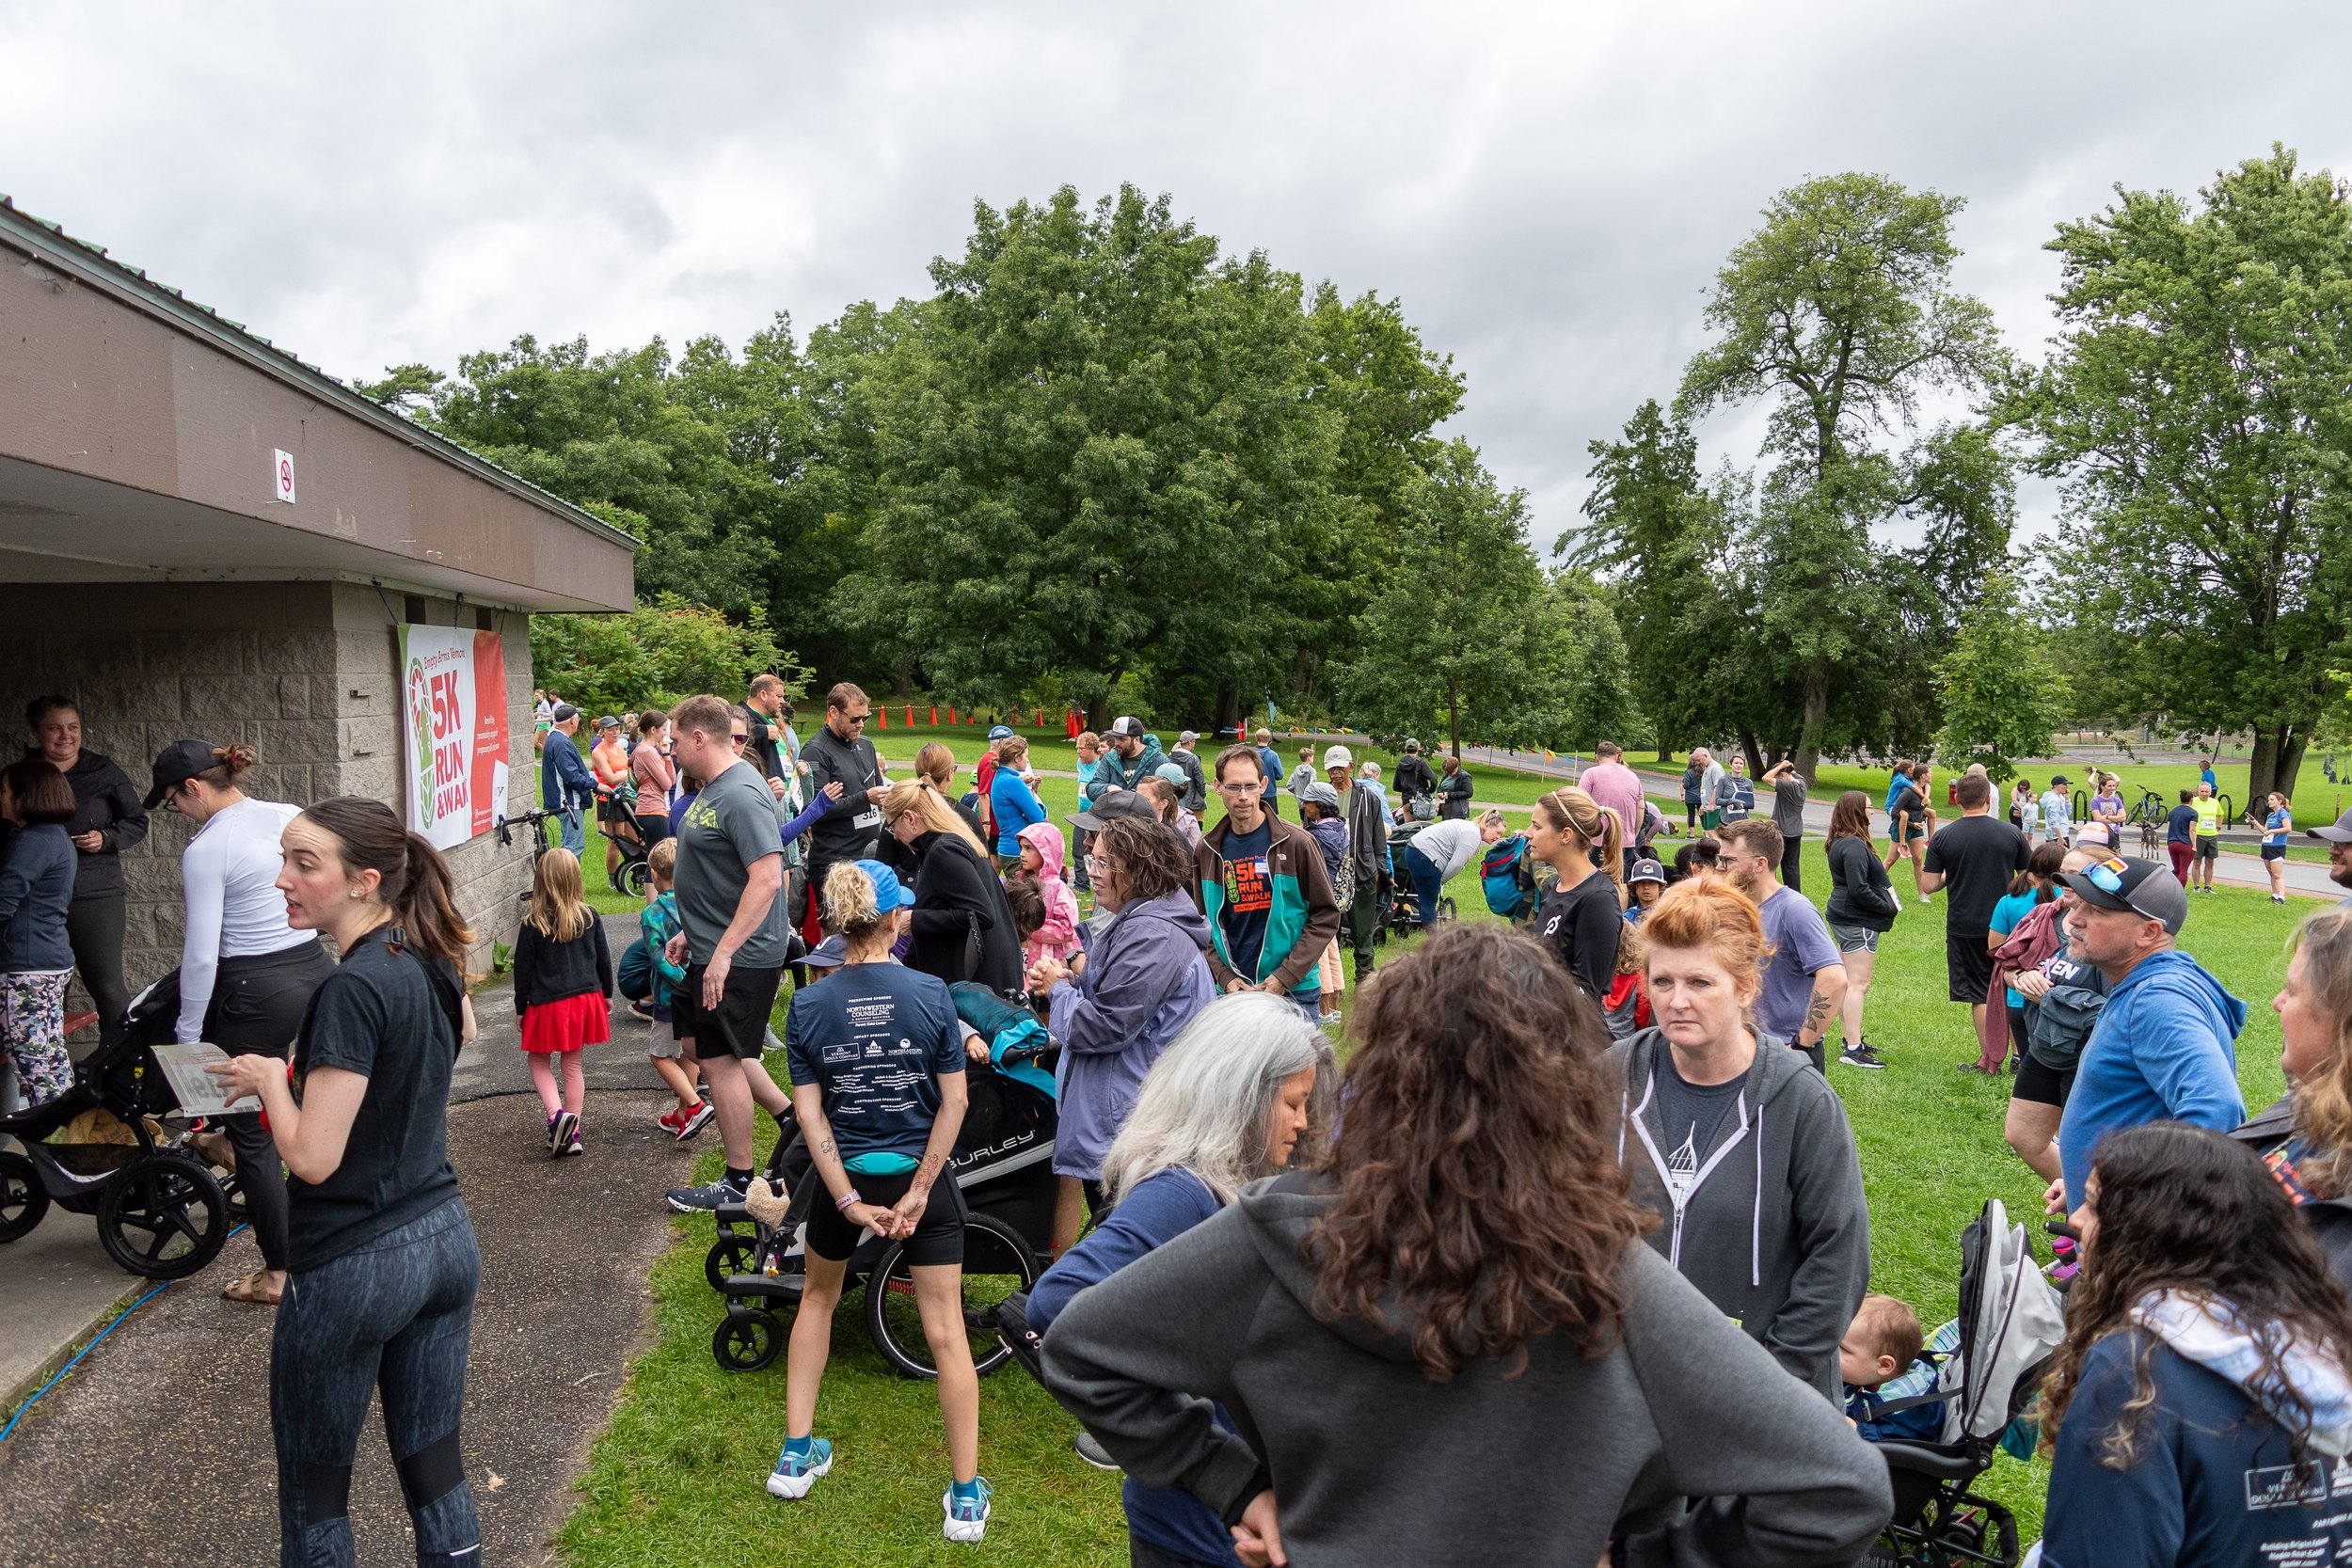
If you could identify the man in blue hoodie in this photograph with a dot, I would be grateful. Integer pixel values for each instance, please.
(2164, 1048)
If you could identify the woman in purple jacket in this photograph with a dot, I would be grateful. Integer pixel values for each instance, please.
(1144, 979)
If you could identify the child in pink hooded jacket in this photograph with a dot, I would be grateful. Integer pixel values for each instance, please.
(1042, 854)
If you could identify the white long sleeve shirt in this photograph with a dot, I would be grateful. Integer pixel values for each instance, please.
(228, 875)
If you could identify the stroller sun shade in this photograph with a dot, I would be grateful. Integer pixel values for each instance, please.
(2011, 1321)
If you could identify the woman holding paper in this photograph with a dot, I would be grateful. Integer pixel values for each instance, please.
(245, 974)
(384, 1260)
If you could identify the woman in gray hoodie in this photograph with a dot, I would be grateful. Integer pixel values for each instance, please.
(1453, 1349)
(1144, 979)
(1736, 1144)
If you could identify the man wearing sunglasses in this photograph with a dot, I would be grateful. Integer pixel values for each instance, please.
(2164, 1046)
(2339, 841)
(853, 830)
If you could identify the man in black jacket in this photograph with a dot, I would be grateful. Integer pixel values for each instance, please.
(853, 828)
(1414, 776)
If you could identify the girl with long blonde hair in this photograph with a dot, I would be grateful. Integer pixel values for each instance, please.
(562, 993)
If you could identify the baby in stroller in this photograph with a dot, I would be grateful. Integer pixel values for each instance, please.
(1884, 1372)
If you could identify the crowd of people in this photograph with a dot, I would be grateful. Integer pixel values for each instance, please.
(1583, 1207)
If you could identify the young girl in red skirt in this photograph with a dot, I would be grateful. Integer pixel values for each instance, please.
(562, 991)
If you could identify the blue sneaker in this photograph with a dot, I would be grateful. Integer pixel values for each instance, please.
(795, 1473)
(967, 1513)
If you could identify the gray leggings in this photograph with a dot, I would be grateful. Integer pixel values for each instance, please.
(393, 1318)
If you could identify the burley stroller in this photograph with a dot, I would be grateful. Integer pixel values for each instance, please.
(1002, 1165)
(162, 1212)
(2010, 1320)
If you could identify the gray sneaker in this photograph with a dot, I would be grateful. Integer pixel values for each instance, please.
(690, 1200)
(1094, 1453)
(1861, 1056)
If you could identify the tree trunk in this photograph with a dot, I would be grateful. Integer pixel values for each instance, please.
(2291, 761)
(1816, 711)
(1228, 711)
(1453, 721)
(1099, 713)
(2261, 769)
(904, 675)
(1753, 750)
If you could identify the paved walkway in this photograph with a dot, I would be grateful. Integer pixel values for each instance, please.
(157, 1449)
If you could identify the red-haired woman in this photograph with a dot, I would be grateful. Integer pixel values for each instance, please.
(1742, 1152)
(1452, 1348)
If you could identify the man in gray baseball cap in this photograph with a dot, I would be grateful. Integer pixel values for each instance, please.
(2339, 840)
(2164, 1046)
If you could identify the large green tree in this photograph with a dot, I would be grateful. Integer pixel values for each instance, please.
(2003, 694)
(1097, 457)
(1840, 317)
(1656, 533)
(2198, 413)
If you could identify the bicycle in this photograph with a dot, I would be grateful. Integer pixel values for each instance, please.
(530, 819)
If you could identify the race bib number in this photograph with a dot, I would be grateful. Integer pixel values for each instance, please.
(870, 818)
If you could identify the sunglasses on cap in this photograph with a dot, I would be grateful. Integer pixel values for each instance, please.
(2107, 877)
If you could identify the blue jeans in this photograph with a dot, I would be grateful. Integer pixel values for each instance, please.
(394, 1318)
(1428, 885)
(569, 833)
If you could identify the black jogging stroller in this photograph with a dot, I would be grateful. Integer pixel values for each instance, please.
(2011, 1321)
(1400, 912)
(163, 1211)
(1004, 1167)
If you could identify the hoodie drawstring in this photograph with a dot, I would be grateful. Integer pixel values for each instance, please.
(1755, 1228)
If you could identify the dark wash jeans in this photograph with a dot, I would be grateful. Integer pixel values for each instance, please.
(394, 1318)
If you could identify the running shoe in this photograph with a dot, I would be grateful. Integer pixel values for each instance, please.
(1094, 1453)
(695, 1121)
(1860, 1054)
(552, 1121)
(571, 1147)
(562, 1132)
(795, 1473)
(692, 1200)
(967, 1515)
(672, 1120)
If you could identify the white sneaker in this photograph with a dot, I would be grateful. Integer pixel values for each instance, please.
(968, 1520)
(1923, 898)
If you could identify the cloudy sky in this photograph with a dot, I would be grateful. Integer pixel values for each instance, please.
(1547, 189)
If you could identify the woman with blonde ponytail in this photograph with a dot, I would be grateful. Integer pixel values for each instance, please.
(1583, 917)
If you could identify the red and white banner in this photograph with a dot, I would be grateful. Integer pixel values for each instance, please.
(453, 739)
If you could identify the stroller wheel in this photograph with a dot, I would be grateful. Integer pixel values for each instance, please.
(22, 1200)
(727, 1255)
(163, 1216)
(747, 1339)
(996, 1263)
(633, 876)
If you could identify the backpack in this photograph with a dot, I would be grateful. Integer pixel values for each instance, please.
(1508, 878)
(635, 977)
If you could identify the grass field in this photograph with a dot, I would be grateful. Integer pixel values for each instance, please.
(677, 1478)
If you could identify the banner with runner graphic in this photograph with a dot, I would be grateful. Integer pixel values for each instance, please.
(453, 732)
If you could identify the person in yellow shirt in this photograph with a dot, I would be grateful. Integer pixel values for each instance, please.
(2208, 837)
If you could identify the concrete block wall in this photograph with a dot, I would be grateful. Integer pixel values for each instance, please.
(305, 672)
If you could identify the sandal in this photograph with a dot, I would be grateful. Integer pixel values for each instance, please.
(253, 1290)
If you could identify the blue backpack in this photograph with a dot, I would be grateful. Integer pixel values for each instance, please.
(1508, 878)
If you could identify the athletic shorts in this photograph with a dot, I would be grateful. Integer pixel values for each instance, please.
(2273, 851)
(1968, 963)
(938, 1239)
(2043, 1086)
(738, 1025)
(1854, 938)
(2207, 848)
(661, 1041)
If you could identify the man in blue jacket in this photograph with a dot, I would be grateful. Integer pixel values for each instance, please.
(2164, 1048)
(564, 784)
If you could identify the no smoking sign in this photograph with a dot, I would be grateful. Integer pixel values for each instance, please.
(282, 475)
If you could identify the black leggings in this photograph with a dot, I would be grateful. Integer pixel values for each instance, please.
(393, 1318)
(1690, 816)
(1791, 862)
(257, 1006)
(94, 927)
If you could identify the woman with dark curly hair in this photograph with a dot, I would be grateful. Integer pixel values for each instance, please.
(2200, 1409)
(1452, 1346)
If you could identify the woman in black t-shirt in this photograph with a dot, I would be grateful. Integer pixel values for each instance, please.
(1583, 917)
(383, 1265)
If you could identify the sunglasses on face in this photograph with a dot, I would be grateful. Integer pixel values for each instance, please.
(856, 717)
(740, 738)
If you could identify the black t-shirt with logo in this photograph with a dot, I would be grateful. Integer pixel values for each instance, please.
(378, 1016)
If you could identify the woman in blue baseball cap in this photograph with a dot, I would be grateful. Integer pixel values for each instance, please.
(877, 1089)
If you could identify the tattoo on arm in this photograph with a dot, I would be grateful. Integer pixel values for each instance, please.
(825, 1145)
(1817, 1015)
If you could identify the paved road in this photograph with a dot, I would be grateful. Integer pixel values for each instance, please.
(158, 1449)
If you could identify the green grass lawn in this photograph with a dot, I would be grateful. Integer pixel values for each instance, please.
(2317, 802)
(677, 1478)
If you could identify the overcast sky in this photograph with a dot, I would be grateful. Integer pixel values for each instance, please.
(1547, 189)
